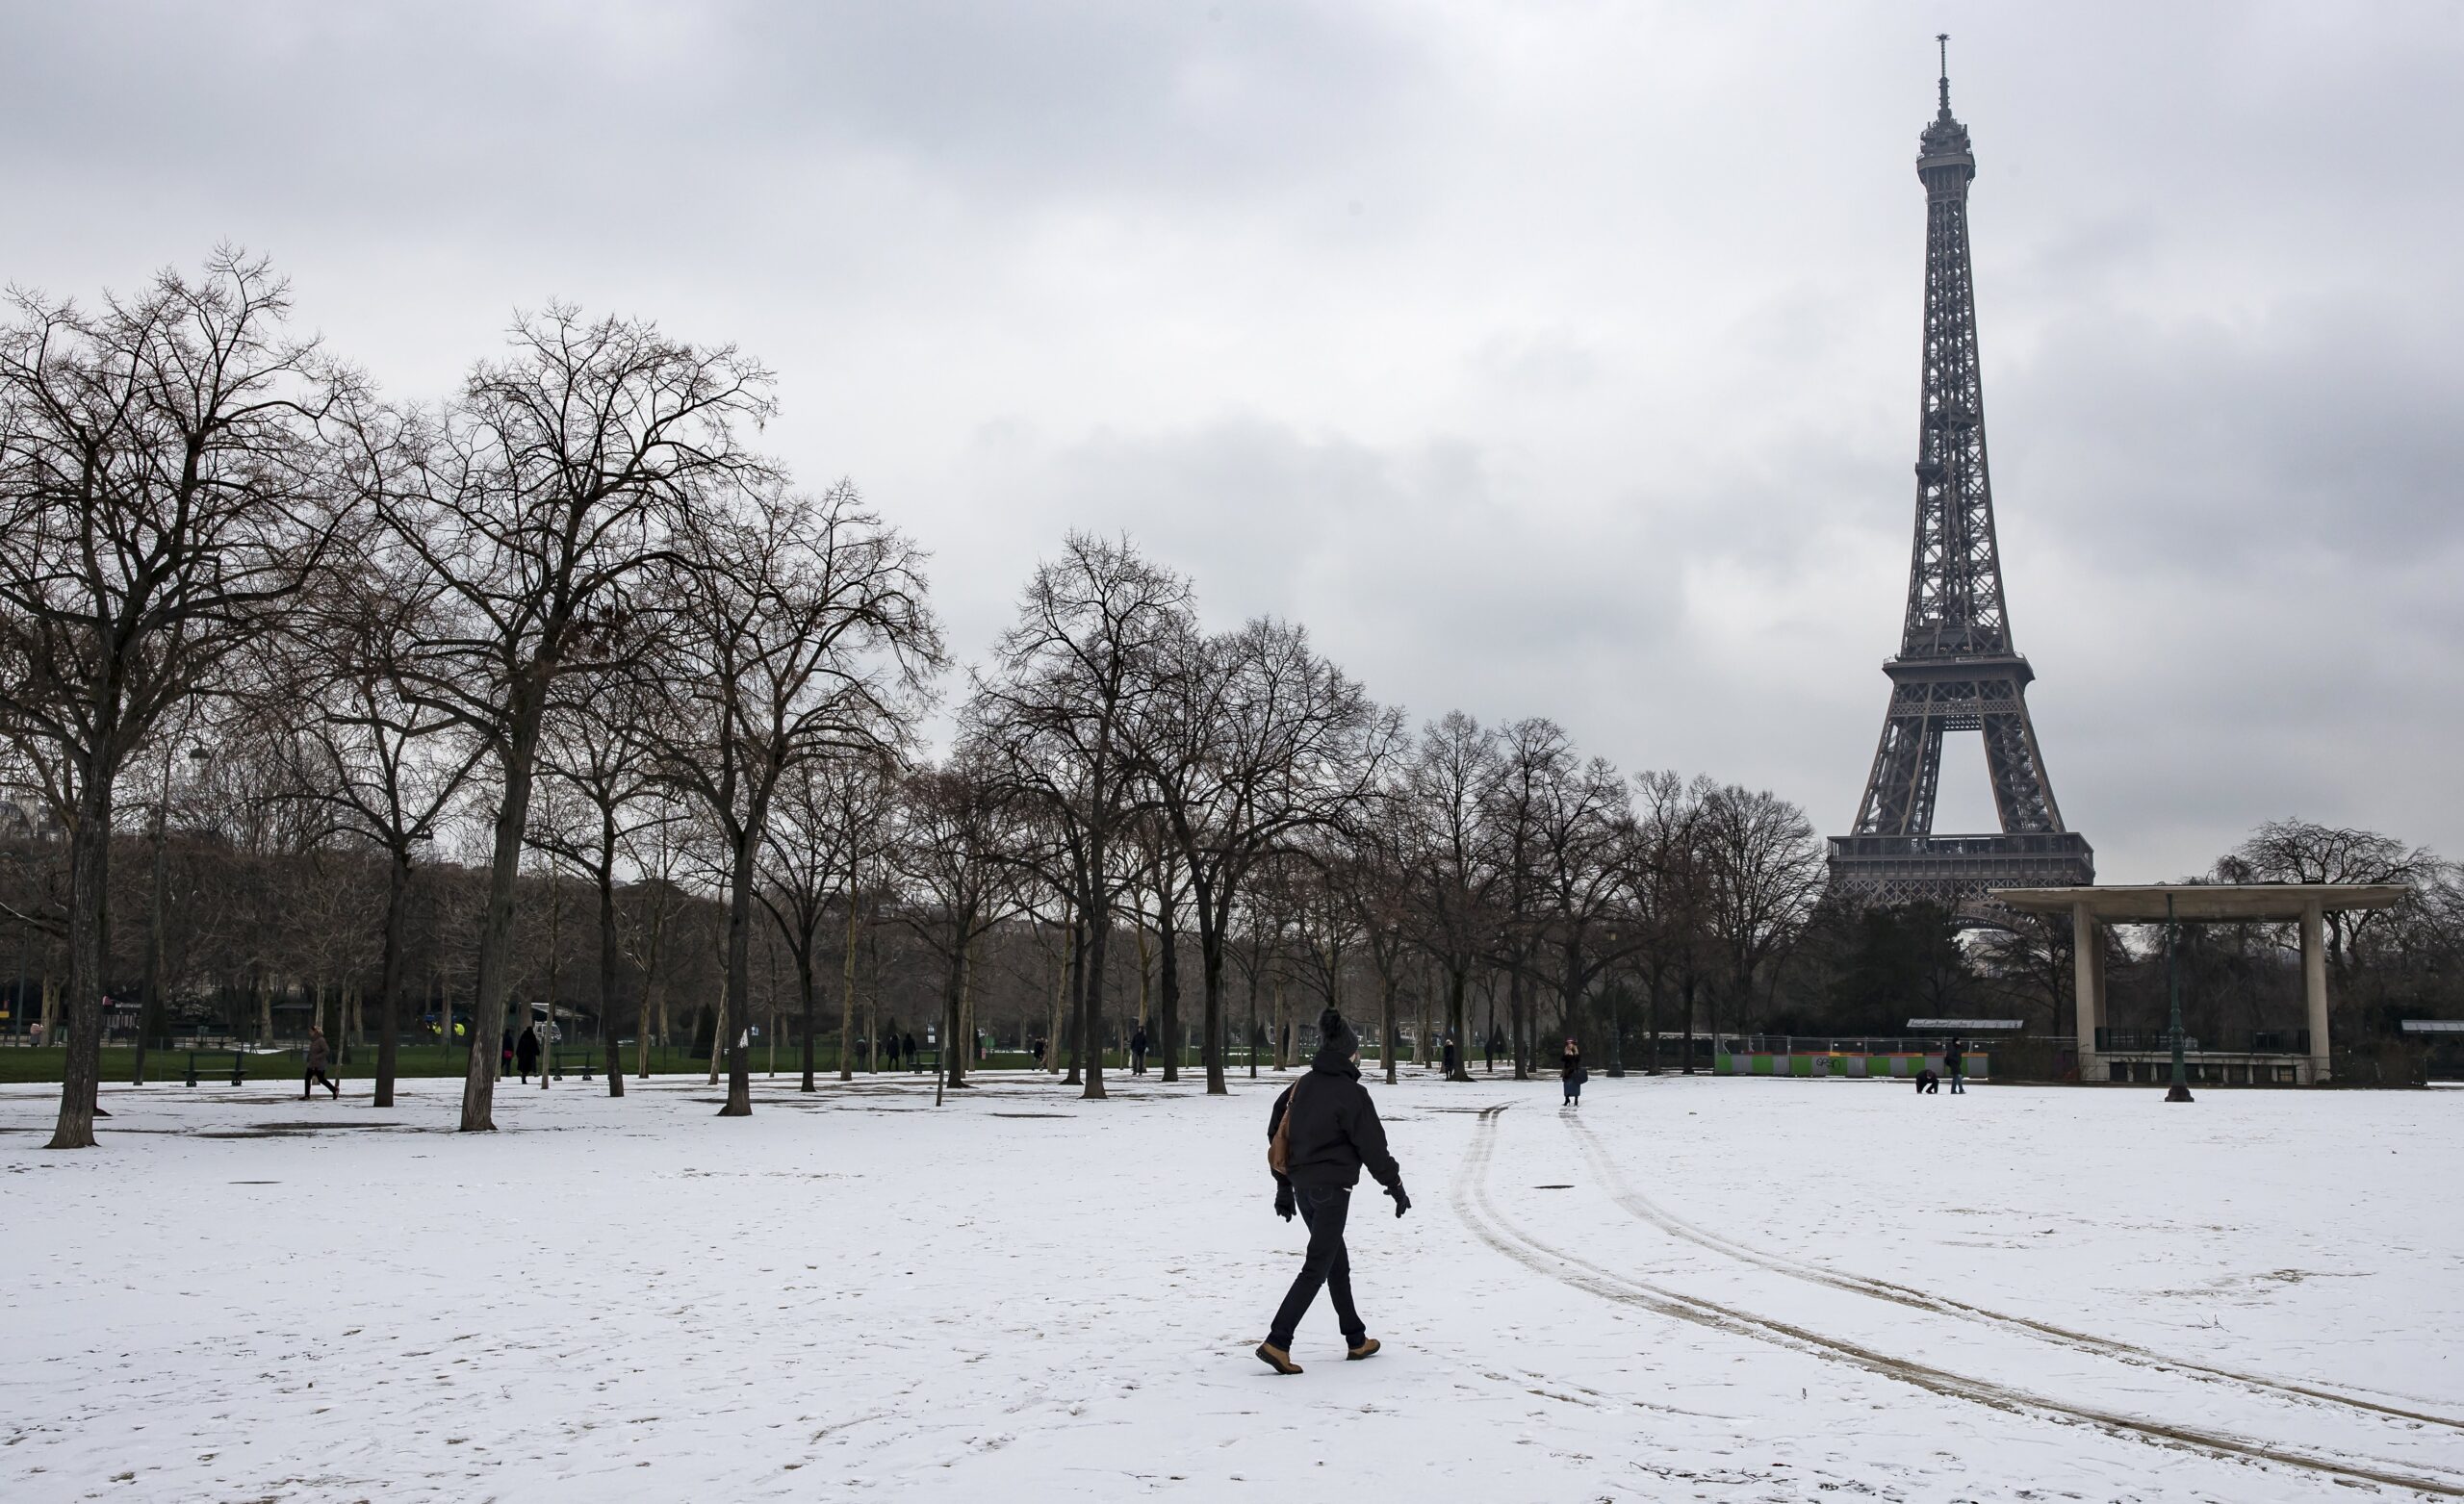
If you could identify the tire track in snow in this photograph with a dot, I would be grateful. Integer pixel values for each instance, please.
(1472, 1203)
(1642, 1206)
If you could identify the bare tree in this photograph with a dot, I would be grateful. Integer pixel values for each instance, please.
(553, 483)
(800, 633)
(1764, 869)
(1669, 893)
(164, 490)
(1253, 741)
(594, 747)
(385, 767)
(1054, 714)
(1445, 793)
(2302, 850)
(954, 856)
(830, 825)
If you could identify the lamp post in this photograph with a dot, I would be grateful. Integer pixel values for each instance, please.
(2181, 1090)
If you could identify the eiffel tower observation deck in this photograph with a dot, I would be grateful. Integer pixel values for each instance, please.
(1956, 670)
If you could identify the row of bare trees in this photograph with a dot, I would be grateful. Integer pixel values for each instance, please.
(573, 615)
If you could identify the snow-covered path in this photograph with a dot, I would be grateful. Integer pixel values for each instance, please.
(1724, 1290)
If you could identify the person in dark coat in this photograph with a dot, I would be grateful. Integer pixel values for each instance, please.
(1955, 1066)
(1494, 1047)
(526, 1052)
(1330, 1132)
(1570, 1071)
(907, 1044)
(1448, 1057)
(1137, 1051)
(319, 1057)
(505, 1057)
(1928, 1085)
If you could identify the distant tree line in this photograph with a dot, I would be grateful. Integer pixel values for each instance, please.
(560, 694)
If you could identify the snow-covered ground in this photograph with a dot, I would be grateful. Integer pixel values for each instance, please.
(1732, 1290)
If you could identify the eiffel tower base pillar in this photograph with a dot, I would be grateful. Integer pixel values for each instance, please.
(2088, 982)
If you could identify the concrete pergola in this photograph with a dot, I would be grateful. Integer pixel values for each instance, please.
(2091, 908)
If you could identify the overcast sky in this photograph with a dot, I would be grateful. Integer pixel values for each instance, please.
(1546, 359)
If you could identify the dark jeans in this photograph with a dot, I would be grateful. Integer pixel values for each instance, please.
(1323, 1211)
(316, 1078)
(1574, 1089)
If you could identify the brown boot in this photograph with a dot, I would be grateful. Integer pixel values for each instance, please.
(1276, 1358)
(1368, 1348)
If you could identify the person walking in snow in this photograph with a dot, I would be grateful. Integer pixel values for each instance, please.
(1570, 1071)
(1448, 1057)
(1955, 1066)
(319, 1057)
(526, 1052)
(907, 1044)
(1322, 1130)
(1138, 1052)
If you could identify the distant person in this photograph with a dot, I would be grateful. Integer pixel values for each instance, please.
(505, 1060)
(1570, 1071)
(1954, 1065)
(34, 1033)
(319, 1057)
(1137, 1051)
(526, 1052)
(1928, 1084)
(1450, 1056)
(1495, 1046)
(1324, 1128)
(908, 1044)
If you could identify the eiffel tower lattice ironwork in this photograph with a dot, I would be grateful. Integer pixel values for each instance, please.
(1956, 670)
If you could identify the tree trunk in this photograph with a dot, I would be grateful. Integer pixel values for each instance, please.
(952, 986)
(1170, 988)
(1253, 1021)
(495, 929)
(1458, 981)
(1282, 1027)
(1091, 998)
(654, 995)
(88, 885)
(150, 1012)
(1689, 1026)
(1516, 1009)
(607, 875)
(1077, 1027)
(966, 1015)
(847, 989)
(1210, 960)
(1650, 1009)
(389, 981)
(1386, 1021)
(1051, 1059)
(805, 996)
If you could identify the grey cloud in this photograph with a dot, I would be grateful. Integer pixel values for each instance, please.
(1601, 404)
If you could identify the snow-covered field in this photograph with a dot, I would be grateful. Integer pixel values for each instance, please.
(1724, 1290)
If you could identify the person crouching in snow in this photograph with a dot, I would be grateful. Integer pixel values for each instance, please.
(1322, 1130)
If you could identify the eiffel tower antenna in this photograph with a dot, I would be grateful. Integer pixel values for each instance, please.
(1956, 668)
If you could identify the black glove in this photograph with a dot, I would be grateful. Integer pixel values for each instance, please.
(1402, 1202)
(1283, 1203)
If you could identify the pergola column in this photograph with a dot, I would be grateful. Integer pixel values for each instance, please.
(2087, 980)
(2314, 987)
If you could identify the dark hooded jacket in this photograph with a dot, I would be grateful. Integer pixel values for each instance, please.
(1335, 1129)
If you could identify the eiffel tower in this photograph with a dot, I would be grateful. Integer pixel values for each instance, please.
(1957, 670)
